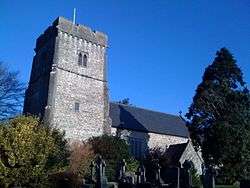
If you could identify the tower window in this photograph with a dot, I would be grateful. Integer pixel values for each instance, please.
(82, 59)
(77, 106)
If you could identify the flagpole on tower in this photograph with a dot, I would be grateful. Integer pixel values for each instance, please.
(74, 16)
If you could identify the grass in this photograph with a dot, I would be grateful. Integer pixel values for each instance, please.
(226, 186)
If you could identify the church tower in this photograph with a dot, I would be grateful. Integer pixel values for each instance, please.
(68, 86)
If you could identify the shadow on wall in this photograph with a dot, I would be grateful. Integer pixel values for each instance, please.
(134, 132)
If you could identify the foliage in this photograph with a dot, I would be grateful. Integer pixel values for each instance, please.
(219, 117)
(65, 179)
(80, 159)
(155, 155)
(124, 101)
(132, 164)
(163, 156)
(222, 179)
(30, 152)
(159, 156)
(113, 150)
(11, 92)
(196, 180)
(59, 158)
(226, 186)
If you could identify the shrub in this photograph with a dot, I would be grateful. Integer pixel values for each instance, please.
(80, 159)
(30, 152)
(65, 179)
(113, 150)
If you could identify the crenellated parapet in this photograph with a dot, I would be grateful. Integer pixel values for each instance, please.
(81, 31)
(74, 30)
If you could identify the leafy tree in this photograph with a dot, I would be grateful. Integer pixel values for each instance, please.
(124, 101)
(113, 150)
(11, 92)
(29, 153)
(219, 117)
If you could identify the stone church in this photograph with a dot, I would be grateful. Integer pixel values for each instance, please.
(69, 90)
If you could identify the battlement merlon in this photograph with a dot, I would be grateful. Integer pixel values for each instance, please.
(76, 30)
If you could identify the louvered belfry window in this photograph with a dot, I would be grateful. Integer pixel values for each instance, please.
(82, 59)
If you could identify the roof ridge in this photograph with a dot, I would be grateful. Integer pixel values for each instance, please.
(131, 106)
(179, 144)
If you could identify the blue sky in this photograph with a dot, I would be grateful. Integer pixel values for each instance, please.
(158, 48)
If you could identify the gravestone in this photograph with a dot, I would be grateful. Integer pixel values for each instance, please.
(124, 180)
(208, 179)
(140, 174)
(92, 172)
(141, 177)
(101, 179)
(122, 170)
(158, 174)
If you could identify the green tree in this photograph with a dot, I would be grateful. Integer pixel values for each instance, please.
(219, 117)
(124, 101)
(29, 153)
(113, 150)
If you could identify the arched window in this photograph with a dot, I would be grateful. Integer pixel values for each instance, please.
(82, 59)
(85, 59)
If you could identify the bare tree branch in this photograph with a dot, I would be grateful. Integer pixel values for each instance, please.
(11, 93)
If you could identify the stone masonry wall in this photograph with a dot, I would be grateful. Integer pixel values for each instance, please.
(37, 92)
(150, 140)
(71, 83)
(163, 141)
(191, 155)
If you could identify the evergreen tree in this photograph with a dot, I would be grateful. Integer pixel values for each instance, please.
(219, 118)
(30, 152)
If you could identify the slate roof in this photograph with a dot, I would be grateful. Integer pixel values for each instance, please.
(139, 119)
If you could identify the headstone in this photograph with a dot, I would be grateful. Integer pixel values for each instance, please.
(143, 173)
(158, 179)
(122, 171)
(140, 174)
(92, 172)
(101, 179)
(209, 177)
